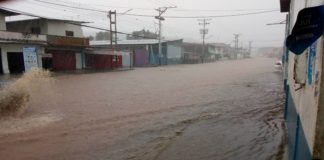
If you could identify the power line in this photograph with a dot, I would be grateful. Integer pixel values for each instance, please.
(179, 9)
(161, 11)
(145, 15)
(64, 5)
(209, 16)
(108, 30)
(47, 6)
(77, 24)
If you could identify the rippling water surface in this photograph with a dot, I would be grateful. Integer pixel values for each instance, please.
(223, 110)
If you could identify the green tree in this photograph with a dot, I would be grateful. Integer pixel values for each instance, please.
(142, 34)
(102, 36)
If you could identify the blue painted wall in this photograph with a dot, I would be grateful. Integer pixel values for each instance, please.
(298, 148)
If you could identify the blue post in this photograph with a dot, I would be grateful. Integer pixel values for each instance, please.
(287, 90)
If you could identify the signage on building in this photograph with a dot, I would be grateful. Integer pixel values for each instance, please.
(308, 28)
(30, 58)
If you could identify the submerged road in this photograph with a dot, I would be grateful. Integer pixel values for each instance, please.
(216, 111)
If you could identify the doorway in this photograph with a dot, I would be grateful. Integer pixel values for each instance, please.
(16, 62)
(47, 63)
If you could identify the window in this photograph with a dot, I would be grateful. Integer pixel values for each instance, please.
(35, 30)
(69, 33)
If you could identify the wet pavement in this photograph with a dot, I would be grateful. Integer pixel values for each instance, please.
(215, 111)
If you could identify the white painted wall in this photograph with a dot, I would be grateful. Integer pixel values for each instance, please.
(305, 100)
(5, 67)
(50, 27)
(5, 48)
(2, 22)
(59, 28)
(126, 58)
(174, 51)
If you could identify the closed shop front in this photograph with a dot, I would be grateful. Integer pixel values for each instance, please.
(63, 60)
(141, 57)
(103, 61)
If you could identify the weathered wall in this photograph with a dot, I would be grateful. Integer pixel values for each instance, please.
(50, 27)
(58, 28)
(5, 48)
(25, 26)
(319, 134)
(303, 92)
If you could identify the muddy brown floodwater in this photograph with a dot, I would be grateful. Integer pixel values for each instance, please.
(215, 111)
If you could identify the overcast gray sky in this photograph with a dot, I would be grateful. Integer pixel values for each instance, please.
(221, 29)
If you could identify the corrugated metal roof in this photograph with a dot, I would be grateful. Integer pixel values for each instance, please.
(8, 12)
(30, 18)
(41, 12)
(131, 42)
(126, 42)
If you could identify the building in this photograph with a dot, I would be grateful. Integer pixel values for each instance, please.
(221, 50)
(65, 44)
(101, 58)
(271, 52)
(304, 85)
(193, 53)
(13, 44)
(145, 51)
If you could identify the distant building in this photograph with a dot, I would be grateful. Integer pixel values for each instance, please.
(272, 52)
(222, 50)
(193, 53)
(145, 51)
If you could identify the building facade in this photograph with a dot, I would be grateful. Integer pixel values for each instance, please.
(13, 44)
(65, 43)
(145, 52)
(304, 87)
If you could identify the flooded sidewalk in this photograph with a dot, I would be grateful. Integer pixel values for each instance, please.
(223, 110)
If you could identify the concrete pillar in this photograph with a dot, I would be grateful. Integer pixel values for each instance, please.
(78, 60)
(40, 51)
(4, 59)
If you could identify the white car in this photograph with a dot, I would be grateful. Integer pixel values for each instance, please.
(278, 65)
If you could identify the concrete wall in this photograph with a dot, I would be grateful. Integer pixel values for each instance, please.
(5, 48)
(25, 26)
(304, 95)
(174, 52)
(59, 28)
(2, 22)
(319, 133)
(50, 27)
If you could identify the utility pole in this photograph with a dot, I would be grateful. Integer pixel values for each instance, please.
(204, 22)
(250, 49)
(159, 17)
(112, 15)
(236, 42)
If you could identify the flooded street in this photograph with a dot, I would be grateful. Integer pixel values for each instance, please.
(215, 111)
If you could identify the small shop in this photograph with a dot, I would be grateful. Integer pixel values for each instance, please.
(103, 59)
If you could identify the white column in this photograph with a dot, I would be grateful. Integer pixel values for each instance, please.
(40, 51)
(4, 59)
(78, 61)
